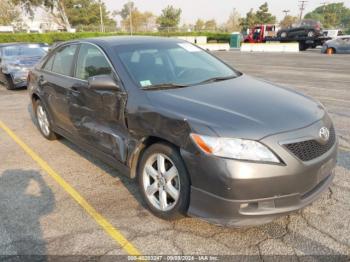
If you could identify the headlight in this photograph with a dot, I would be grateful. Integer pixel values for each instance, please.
(234, 148)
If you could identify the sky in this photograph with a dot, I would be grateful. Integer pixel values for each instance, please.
(218, 9)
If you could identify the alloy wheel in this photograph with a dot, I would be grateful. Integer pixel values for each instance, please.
(43, 120)
(161, 182)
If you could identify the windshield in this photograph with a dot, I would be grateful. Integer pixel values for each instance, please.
(179, 64)
(23, 50)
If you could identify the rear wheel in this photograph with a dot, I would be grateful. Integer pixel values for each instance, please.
(43, 121)
(163, 181)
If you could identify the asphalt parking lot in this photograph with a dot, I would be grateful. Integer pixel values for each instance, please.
(39, 216)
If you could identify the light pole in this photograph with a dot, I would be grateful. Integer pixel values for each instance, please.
(302, 8)
(101, 18)
(285, 12)
(130, 16)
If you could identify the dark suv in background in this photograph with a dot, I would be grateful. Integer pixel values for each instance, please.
(304, 28)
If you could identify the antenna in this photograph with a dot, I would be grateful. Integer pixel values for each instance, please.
(302, 8)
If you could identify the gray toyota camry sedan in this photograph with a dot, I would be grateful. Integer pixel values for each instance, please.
(201, 138)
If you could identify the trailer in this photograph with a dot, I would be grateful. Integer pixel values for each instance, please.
(263, 33)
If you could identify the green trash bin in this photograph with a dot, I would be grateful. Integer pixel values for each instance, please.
(235, 40)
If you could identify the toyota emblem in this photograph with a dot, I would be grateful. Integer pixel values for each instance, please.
(324, 134)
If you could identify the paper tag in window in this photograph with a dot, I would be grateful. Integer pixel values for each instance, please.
(189, 47)
(145, 83)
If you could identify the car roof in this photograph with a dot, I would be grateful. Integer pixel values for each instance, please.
(126, 40)
(19, 43)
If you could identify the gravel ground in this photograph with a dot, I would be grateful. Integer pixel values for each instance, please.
(37, 217)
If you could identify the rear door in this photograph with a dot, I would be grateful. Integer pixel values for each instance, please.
(55, 79)
(98, 115)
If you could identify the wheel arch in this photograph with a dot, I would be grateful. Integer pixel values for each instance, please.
(138, 151)
(34, 97)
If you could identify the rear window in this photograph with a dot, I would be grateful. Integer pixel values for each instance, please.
(23, 50)
(63, 61)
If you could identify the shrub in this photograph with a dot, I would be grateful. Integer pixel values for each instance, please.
(63, 36)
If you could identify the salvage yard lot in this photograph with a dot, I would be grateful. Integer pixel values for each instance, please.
(38, 216)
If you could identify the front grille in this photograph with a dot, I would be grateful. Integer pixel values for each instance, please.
(311, 149)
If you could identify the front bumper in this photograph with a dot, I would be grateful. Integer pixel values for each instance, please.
(243, 193)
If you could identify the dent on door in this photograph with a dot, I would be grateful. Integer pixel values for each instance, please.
(99, 119)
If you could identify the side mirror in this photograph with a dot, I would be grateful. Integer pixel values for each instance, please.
(103, 82)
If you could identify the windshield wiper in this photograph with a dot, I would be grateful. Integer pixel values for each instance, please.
(216, 79)
(163, 86)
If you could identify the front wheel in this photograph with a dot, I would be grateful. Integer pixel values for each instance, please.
(43, 122)
(283, 34)
(8, 82)
(164, 182)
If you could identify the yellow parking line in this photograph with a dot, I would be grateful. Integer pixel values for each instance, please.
(108, 227)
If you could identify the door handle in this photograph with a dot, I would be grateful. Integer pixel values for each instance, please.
(75, 88)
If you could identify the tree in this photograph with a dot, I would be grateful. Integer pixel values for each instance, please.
(335, 15)
(9, 14)
(263, 16)
(70, 12)
(141, 22)
(288, 20)
(210, 25)
(249, 21)
(169, 19)
(125, 12)
(233, 22)
(199, 26)
(87, 12)
(55, 7)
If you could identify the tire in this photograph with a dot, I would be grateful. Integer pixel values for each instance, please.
(303, 46)
(7, 81)
(284, 34)
(43, 121)
(159, 183)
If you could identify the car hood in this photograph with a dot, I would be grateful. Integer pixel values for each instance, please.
(243, 107)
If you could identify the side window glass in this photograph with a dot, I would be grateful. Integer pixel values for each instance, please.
(63, 61)
(91, 62)
(48, 64)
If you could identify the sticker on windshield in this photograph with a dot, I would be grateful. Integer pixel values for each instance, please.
(33, 46)
(189, 47)
(145, 83)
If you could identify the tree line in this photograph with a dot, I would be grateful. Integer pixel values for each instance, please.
(75, 13)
